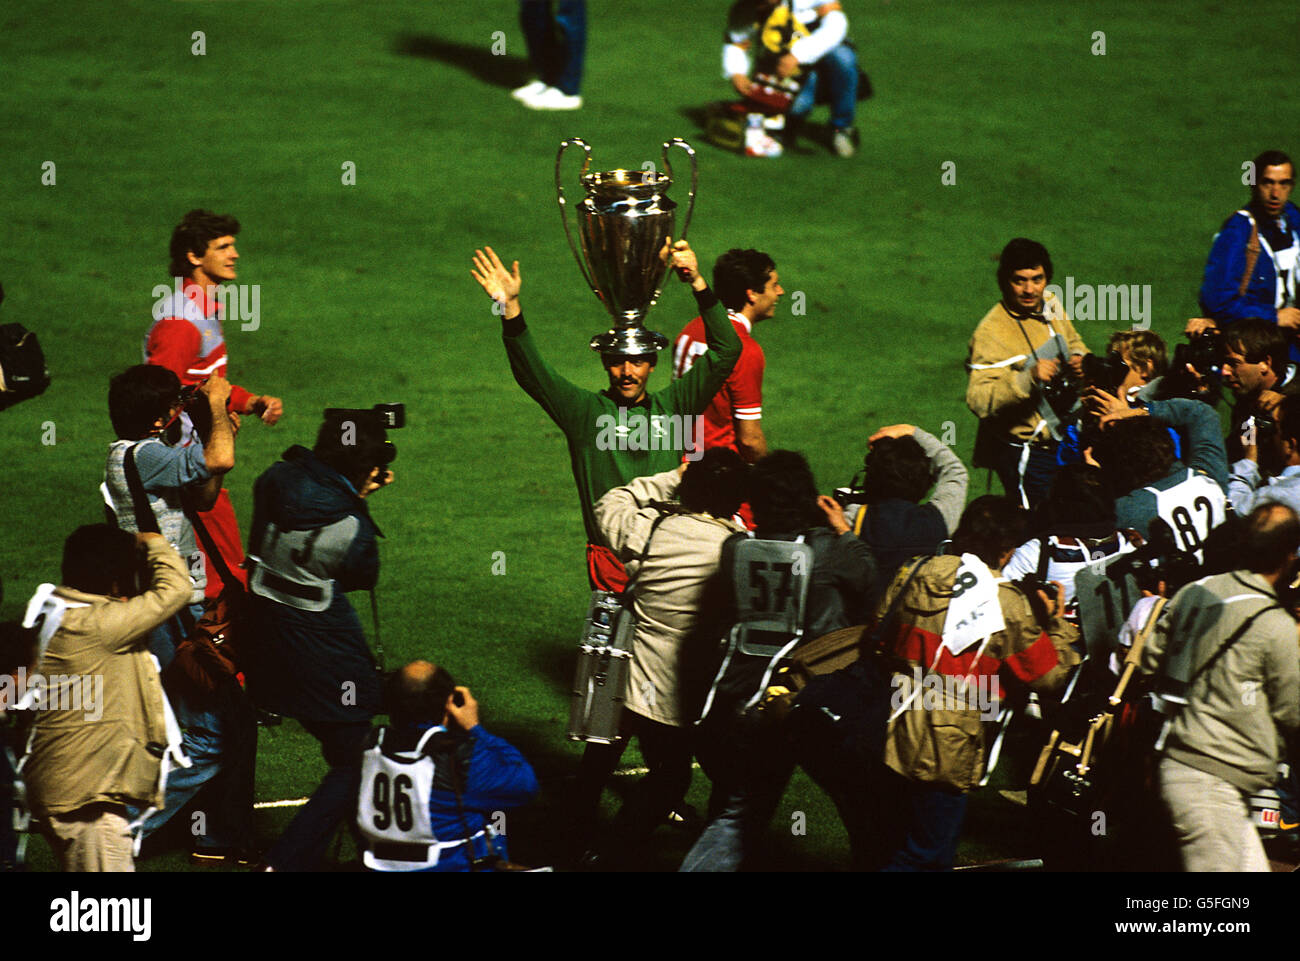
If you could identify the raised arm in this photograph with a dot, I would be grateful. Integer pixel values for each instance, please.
(562, 400)
(696, 390)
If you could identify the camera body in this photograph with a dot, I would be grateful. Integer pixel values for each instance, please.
(385, 416)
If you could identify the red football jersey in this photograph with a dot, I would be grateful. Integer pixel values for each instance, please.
(741, 397)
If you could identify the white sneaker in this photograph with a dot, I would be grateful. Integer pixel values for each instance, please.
(528, 90)
(552, 98)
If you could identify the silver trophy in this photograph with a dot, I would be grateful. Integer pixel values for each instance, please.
(623, 222)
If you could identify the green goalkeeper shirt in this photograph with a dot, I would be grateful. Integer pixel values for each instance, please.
(610, 444)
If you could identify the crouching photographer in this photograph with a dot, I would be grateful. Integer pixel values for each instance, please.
(434, 784)
(313, 540)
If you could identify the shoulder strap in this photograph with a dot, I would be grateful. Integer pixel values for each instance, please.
(860, 520)
(1236, 636)
(645, 549)
(1252, 256)
(873, 640)
(210, 548)
(1044, 555)
(145, 520)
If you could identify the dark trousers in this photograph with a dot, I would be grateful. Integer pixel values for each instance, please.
(926, 820)
(1038, 474)
(667, 752)
(302, 846)
(556, 41)
(8, 839)
(750, 768)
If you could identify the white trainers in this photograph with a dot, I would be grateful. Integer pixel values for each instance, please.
(528, 90)
(845, 142)
(552, 98)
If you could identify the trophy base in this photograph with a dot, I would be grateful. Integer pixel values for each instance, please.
(630, 341)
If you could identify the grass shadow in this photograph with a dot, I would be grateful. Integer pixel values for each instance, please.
(505, 70)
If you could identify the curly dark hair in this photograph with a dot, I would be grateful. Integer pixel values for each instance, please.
(138, 396)
(895, 467)
(1022, 254)
(783, 494)
(990, 526)
(716, 484)
(193, 234)
(739, 271)
(1134, 453)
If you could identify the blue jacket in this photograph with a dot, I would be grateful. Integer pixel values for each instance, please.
(305, 658)
(1226, 264)
(493, 777)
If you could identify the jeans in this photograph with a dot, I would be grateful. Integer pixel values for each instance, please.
(8, 839)
(749, 772)
(840, 70)
(220, 739)
(302, 846)
(930, 819)
(556, 41)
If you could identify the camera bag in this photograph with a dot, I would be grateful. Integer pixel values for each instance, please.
(605, 659)
(23, 372)
(208, 660)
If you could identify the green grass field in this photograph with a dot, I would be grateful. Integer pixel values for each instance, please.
(1123, 164)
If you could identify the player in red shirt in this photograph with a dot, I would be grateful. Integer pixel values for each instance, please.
(187, 339)
(747, 283)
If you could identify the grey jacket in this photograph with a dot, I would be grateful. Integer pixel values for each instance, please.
(1237, 710)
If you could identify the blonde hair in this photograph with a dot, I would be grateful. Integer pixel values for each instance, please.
(1142, 347)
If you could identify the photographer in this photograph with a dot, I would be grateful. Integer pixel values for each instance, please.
(462, 777)
(1224, 656)
(963, 622)
(88, 762)
(802, 39)
(312, 540)
(751, 765)
(883, 505)
(1275, 455)
(176, 481)
(1256, 370)
(1252, 265)
(1019, 354)
(1138, 458)
(669, 530)
(1078, 528)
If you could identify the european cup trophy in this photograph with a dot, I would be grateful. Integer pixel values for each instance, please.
(623, 222)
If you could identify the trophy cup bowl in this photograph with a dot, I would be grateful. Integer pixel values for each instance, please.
(624, 220)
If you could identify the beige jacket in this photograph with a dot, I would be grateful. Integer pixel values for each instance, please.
(938, 738)
(85, 753)
(1001, 388)
(676, 597)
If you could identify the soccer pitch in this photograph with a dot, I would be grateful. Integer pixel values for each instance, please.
(369, 147)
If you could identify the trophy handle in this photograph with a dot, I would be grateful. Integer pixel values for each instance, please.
(695, 178)
(562, 201)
